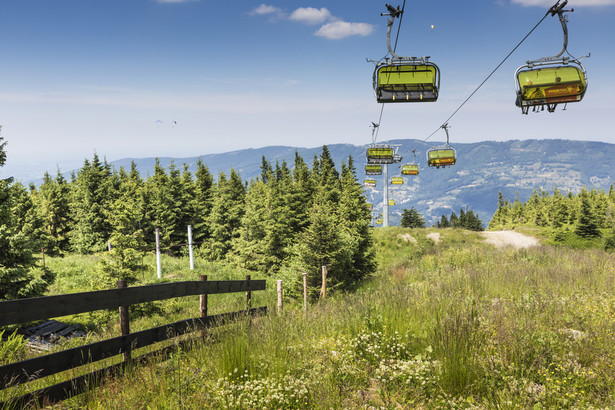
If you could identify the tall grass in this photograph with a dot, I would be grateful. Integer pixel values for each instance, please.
(455, 324)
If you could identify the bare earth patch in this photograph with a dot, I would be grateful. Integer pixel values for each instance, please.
(407, 237)
(434, 236)
(509, 238)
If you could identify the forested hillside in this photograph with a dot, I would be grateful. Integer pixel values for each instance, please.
(482, 170)
(299, 219)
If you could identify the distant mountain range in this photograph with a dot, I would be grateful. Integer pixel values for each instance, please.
(514, 167)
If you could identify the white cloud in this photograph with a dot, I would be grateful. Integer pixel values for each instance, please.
(265, 9)
(571, 3)
(341, 29)
(332, 28)
(310, 15)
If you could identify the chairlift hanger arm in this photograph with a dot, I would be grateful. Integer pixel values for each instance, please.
(446, 127)
(397, 13)
(559, 10)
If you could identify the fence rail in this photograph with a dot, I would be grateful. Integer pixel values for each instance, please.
(25, 310)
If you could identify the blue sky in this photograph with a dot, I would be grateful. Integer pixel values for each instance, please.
(181, 78)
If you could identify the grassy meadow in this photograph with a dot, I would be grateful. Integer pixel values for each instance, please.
(453, 324)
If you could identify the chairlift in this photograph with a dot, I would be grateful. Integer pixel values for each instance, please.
(391, 202)
(549, 81)
(410, 168)
(369, 183)
(443, 155)
(382, 154)
(373, 169)
(397, 181)
(404, 79)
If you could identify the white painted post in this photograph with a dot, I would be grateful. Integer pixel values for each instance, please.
(279, 295)
(323, 290)
(158, 267)
(190, 247)
(109, 245)
(304, 291)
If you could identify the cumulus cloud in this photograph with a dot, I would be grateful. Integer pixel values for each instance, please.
(310, 15)
(341, 29)
(265, 9)
(332, 27)
(571, 3)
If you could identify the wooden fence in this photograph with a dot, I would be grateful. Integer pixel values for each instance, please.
(27, 310)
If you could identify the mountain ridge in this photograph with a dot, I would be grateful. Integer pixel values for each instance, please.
(515, 167)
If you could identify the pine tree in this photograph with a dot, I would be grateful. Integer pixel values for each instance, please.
(19, 276)
(163, 209)
(92, 192)
(454, 220)
(473, 223)
(226, 214)
(502, 215)
(355, 218)
(127, 238)
(203, 202)
(249, 248)
(52, 203)
(410, 218)
(443, 223)
(320, 244)
(587, 227)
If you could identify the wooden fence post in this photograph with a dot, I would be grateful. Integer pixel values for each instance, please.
(305, 295)
(248, 294)
(279, 282)
(323, 291)
(124, 321)
(203, 303)
(43, 251)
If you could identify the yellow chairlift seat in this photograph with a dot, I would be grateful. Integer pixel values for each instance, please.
(549, 86)
(391, 202)
(373, 169)
(549, 81)
(369, 183)
(407, 82)
(410, 169)
(441, 157)
(397, 181)
(381, 155)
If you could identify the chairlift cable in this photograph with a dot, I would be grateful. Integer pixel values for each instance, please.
(403, 7)
(488, 77)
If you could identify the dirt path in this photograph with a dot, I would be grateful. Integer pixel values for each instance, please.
(509, 238)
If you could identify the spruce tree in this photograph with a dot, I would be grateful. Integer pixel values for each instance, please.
(19, 276)
(454, 220)
(203, 202)
(355, 218)
(320, 244)
(443, 223)
(249, 248)
(52, 203)
(163, 209)
(587, 227)
(226, 214)
(410, 218)
(473, 223)
(91, 194)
